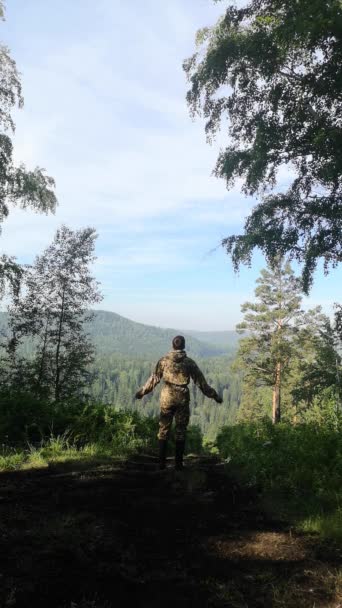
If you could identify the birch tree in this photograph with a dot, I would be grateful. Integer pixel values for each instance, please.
(59, 289)
(19, 186)
(268, 74)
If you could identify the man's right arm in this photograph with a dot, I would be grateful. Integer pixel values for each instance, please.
(201, 382)
(153, 380)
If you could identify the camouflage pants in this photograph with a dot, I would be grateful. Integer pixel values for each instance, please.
(181, 413)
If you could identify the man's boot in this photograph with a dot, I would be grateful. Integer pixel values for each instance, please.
(179, 455)
(162, 454)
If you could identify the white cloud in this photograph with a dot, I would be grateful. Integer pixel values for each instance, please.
(106, 115)
(88, 128)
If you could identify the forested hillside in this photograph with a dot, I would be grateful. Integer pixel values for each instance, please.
(113, 334)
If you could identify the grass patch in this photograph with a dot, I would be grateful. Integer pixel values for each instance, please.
(82, 432)
(59, 450)
(11, 460)
(296, 469)
(327, 525)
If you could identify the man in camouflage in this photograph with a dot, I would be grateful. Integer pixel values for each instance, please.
(176, 370)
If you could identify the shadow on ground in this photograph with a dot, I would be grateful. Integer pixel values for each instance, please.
(125, 533)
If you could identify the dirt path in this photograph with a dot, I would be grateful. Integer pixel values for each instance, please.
(127, 535)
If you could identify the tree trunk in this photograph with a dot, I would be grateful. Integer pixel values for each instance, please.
(42, 361)
(58, 348)
(276, 395)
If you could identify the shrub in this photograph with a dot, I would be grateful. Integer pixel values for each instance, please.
(301, 464)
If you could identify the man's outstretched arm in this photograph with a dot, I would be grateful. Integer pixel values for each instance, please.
(201, 382)
(153, 380)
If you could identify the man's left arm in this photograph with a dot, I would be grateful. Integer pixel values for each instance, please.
(200, 381)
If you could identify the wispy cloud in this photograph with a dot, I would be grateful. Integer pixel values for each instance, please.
(105, 113)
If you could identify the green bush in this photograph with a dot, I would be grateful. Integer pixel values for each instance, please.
(55, 429)
(301, 465)
(303, 457)
(23, 417)
(27, 419)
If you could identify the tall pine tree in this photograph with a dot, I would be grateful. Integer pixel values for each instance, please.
(271, 324)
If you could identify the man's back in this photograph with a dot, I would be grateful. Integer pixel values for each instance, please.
(176, 367)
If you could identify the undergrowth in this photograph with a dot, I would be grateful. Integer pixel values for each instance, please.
(84, 433)
(297, 470)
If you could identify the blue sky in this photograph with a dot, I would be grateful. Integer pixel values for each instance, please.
(105, 113)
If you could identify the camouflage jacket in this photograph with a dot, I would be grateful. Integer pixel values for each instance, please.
(176, 370)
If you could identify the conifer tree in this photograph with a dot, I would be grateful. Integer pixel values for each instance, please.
(319, 363)
(271, 324)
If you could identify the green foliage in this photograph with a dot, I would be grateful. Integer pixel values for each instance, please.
(272, 323)
(57, 449)
(317, 369)
(288, 356)
(326, 525)
(52, 311)
(22, 417)
(338, 321)
(76, 426)
(18, 186)
(11, 459)
(301, 465)
(271, 70)
(125, 434)
(11, 275)
(299, 459)
(108, 425)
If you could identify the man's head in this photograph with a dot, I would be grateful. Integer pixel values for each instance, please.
(178, 343)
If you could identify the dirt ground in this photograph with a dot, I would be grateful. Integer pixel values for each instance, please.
(126, 534)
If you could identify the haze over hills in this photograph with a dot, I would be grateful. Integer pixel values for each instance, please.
(112, 333)
(224, 339)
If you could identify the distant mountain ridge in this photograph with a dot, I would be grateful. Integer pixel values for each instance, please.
(224, 339)
(114, 334)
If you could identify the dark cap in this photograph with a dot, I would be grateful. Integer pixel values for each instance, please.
(178, 343)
